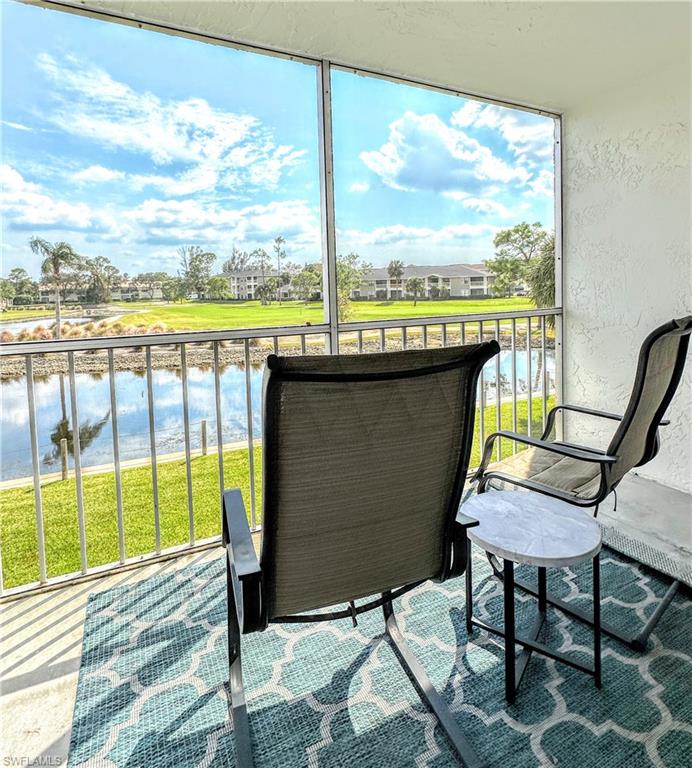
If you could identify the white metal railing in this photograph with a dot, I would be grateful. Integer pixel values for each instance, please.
(519, 333)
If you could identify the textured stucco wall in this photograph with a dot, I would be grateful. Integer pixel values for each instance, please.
(628, 263)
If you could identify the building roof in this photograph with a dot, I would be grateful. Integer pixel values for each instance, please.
(433, 270)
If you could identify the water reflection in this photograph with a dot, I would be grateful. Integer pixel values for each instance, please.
(53, 417)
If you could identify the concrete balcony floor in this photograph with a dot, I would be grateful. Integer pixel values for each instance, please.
(41, 639)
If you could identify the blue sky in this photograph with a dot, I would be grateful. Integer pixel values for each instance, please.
(129, 143)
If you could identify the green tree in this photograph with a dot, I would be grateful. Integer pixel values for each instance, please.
(395, 270)
(540, 275)
(261, 259)
(515, 250)
(218, 287)
(196, 266)
(24, 287)
(102, 278)
(174, 288)
(58, 261)
(266, 291)
(238, 261)
(350, 274)
(509, 271)
(149, 281)
(522, 241)
(306, 282)
(415, 286)
(279, 254)
(7, 291)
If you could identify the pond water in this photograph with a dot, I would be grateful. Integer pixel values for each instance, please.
(93, 400)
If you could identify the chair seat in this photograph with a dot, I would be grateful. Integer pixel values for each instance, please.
(579, 478)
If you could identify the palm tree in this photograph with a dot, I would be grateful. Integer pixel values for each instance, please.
(396, 271)
(57, 257)
(280, 254)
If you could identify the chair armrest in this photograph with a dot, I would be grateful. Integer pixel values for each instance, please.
(582, 454)
(243, 568)
(550, 420)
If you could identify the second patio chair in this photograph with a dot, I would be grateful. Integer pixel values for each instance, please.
(365, 458)
(586, 476)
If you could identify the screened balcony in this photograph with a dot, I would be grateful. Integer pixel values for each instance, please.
(113, 642)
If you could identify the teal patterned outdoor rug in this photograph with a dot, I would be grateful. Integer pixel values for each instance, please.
(152, 682)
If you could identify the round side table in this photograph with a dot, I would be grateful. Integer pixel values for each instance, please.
(532, 529)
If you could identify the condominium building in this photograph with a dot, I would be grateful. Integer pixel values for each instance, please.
(448, 281)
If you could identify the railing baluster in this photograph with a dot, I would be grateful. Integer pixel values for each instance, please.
(404, 337)
(250, 440)
(544, 383)
(302, 343)
(444, 334)
(514, 382)
(77, 456)
(188, 457)
(152, 452)
(116, 458)
(529, 374)
(219, 425)
(36, 466)
(360, 342)
(498, 391)
(462, 329)
(481, 383)
(383, 342)
(276, 345)
(425, 337)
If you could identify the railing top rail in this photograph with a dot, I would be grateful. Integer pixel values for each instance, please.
(196, 337)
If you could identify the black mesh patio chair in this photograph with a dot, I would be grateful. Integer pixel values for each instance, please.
(365, 458)
(585, 476)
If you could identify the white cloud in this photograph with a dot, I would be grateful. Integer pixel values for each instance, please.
(16, 126)
(400, 233)
(218, 147)
(359, 186)
(528, 136)
(27, 206)
(543, 184)
(96, 174)
(424, 153)
(467, 115)
(179, 221)
(487, 206)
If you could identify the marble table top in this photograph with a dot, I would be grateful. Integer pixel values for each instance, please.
(531, 528)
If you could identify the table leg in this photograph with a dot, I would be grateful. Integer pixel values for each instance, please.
(542, 590)
(469, 588)
(510, 683)
(597, 620)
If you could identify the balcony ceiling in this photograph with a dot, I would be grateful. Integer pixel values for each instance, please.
(555, 54)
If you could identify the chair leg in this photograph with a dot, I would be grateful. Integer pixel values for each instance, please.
(427, 691)
(636, 641)
(241, 726)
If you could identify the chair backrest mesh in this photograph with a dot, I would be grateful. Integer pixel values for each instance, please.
(659, 369)
(364, 460)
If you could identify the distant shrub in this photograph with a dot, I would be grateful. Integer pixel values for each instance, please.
(6, 337)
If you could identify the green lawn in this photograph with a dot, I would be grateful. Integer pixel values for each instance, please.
(18, 522)
(25, 314)
(198, 316)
